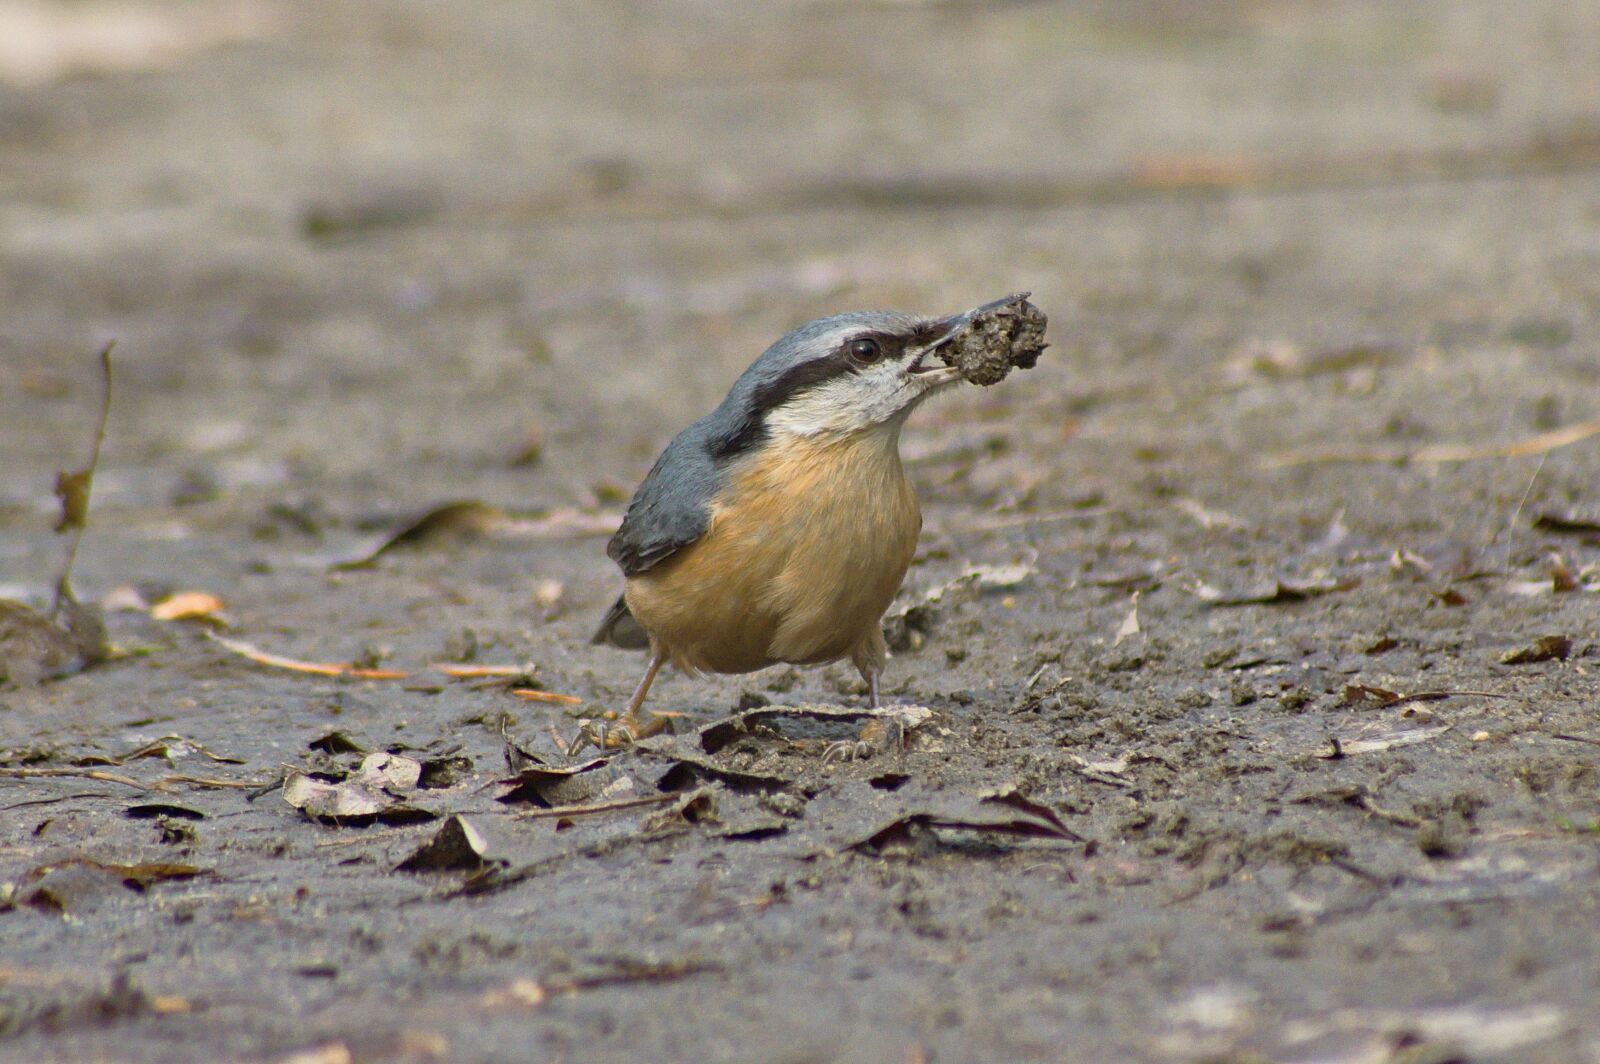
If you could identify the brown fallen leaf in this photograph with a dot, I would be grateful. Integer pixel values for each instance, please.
(68, 884)
(1016, 815)
(365, 797)
(1561, 579)
(316, 668)
(457, 846)
(1357, 693)
(1568, 523)
(1374, 743)
(155, 810)
(1546, 648)
(1272, 592)
(188, 606)
(1130, 624)
(698, 806)
(624, 972)
(1210, 519)
(461, 519)
(472, 519)
(714, 736)
(169, 747)
(549, 786)
(689, 769)
(520, 993)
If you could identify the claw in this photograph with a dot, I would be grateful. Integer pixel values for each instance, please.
(879, 735)
(846, 750)
(606, 735)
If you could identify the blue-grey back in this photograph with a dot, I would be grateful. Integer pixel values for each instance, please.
(672, 507)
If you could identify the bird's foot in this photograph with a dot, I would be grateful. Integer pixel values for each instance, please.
(880, 735)
(608, 735)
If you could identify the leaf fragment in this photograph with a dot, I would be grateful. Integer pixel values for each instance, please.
(1545, 648)
(458, 846)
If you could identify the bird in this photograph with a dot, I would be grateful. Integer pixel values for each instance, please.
(778, 527)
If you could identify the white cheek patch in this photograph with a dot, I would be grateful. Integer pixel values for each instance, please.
(850, 403)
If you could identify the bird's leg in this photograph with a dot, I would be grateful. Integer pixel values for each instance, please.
(629, 721)
(877, 734)
(604, 735)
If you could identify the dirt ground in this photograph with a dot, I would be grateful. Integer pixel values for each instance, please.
(1257, 626)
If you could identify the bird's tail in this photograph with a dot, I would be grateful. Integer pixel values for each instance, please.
(619, 629)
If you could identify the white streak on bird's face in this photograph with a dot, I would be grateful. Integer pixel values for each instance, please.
(868, 395)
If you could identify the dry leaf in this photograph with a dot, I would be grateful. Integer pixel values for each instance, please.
(522, 993)
(187, 606)
(1568, 523)
(1020, 816)
(73, 491)
(1130, 624)
(1546, 648)
(1385, 741)
(355, 802)
(462, 519)
(718, 734)
(548, 786)
(457, 846)
(1272, 592)
(1210, 519)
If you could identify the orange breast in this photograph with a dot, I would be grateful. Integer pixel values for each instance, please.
(804, 553)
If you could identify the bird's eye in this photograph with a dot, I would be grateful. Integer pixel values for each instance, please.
(865, 350)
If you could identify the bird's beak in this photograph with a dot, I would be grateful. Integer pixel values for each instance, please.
(947, 329)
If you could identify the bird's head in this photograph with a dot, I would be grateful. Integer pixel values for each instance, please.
(844, 374)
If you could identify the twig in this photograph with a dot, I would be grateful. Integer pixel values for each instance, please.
(1439, 696)
(1577, 739)
(63, 585)
(1444, 452)
(315, 668)
(639, 972)
(602, 807)
(1511, 527)
(76, 773)
(533, 694)
(212, 782)
(53, 801)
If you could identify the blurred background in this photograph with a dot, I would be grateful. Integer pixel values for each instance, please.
(1321, 411)
(382, 241)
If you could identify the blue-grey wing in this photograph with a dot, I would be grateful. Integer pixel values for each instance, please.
(672, 507)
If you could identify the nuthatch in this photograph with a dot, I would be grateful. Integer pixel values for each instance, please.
(778, 527)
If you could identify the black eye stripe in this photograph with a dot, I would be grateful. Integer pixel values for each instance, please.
(795, 381)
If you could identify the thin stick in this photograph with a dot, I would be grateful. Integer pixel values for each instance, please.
(603, 807)
(212, 782)
(74, 773)
(63, 586)
(1511, 528)
(1444, 452)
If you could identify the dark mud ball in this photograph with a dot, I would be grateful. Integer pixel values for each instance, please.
(999, 337)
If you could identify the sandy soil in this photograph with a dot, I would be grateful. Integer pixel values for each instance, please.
(1233, 584)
